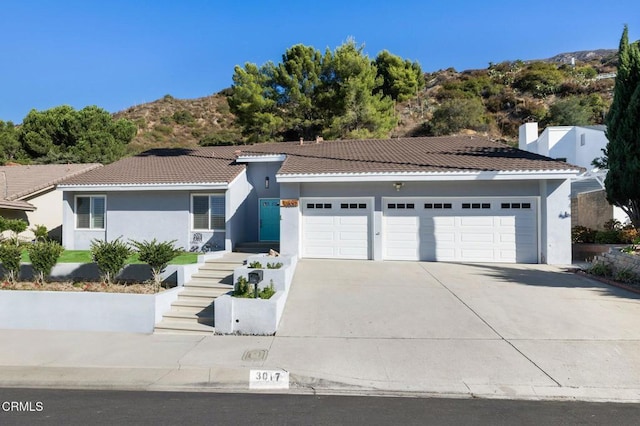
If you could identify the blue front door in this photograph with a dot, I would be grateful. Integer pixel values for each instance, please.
(269, 219)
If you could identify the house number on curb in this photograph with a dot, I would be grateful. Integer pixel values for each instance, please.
(268, 379)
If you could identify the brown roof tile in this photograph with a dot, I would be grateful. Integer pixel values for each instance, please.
(18, 181)
(404, 155)
(167, 166)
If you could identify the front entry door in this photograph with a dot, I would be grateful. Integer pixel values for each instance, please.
(269, 219)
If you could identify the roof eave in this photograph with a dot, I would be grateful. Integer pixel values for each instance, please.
(146, 187)
(430, 176)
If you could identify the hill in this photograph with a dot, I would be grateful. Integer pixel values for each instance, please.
(494, 101)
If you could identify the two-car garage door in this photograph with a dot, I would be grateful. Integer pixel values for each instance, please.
(423, 228)
(460, 229)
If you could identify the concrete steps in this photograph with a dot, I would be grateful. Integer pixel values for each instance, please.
(192, 312)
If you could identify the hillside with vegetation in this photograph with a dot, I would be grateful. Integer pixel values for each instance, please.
(494, 101)
(339, 94)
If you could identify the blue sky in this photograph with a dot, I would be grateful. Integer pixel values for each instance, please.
(119, 53)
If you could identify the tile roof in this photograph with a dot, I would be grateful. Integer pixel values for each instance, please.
(403, 155)
(406, 155)
(18, 182)
(167, 166)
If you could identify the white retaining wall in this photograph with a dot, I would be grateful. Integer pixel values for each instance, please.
(84, 311)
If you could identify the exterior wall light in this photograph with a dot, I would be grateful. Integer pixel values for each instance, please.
(398, 185)
(266, 182)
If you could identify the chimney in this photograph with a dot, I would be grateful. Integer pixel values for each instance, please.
(319, 139)
(527, 133)
(301, 141)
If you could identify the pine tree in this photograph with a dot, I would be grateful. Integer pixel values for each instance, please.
(623, 131)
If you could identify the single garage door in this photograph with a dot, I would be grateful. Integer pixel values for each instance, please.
(334, 228)
(461, 229)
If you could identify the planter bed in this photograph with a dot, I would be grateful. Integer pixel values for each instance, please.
(84, 311)
(234, 315)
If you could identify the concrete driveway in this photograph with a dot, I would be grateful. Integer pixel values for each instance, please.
(479, 329)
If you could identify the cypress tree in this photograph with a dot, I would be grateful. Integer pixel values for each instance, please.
(623, 131)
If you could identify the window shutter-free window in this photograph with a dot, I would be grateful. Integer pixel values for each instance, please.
(90, 212)
(208, 212)
(83, 212)
(97, 213)
(217, 213)
(200, 212)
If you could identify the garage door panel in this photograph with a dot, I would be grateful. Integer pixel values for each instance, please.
(478, 238)
(485, 230)
(338, 230)
(474, 221)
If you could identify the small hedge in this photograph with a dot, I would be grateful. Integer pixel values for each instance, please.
(613, 233)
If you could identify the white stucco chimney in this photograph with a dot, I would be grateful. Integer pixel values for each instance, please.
(527, 133)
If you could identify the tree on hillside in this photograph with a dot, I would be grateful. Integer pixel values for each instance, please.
(571, 111)
(254, 102)
(458, 114)
(401, 79)
(623, 132)
(308, 94)
(62, 134)
(9, 143)
(358, 111)
(299, 81)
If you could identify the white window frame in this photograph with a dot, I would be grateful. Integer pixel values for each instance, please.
(191, 214)
(91, 198)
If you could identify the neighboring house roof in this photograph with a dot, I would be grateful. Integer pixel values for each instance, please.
(403, 155)
(20, 182)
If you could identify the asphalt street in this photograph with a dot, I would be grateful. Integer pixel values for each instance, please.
(82, 407)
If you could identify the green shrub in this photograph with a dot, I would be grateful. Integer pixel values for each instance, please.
(157, 255)
(242, 288)
(183, 117)
(256, 265)
(600, 269)
(582, 234)
(625, 275)
(267, 292)
(163, 129)
(221, 137)
(110, 257)
(10, 257)
(16, 226)
(44, 255)
(274, 265)
(609, 236)
(40, 232)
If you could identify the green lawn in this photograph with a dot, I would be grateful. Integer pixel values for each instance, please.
(84, 256)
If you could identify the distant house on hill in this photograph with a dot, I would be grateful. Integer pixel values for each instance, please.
(578, 145)
(28, 193)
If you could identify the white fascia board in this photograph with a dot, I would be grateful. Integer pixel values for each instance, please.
(444, 176)
(146, 187)
(267, 158)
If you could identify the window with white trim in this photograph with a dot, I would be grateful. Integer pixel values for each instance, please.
(90, 211)
(208, 212)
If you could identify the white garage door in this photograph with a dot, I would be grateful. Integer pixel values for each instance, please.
(461, 229)
(336, 228)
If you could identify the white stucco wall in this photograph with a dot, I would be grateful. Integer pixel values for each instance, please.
(236, 211)
(554, 217)
(114, 312)
(579, 145)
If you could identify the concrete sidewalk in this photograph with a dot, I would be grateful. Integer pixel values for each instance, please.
(493, 331)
